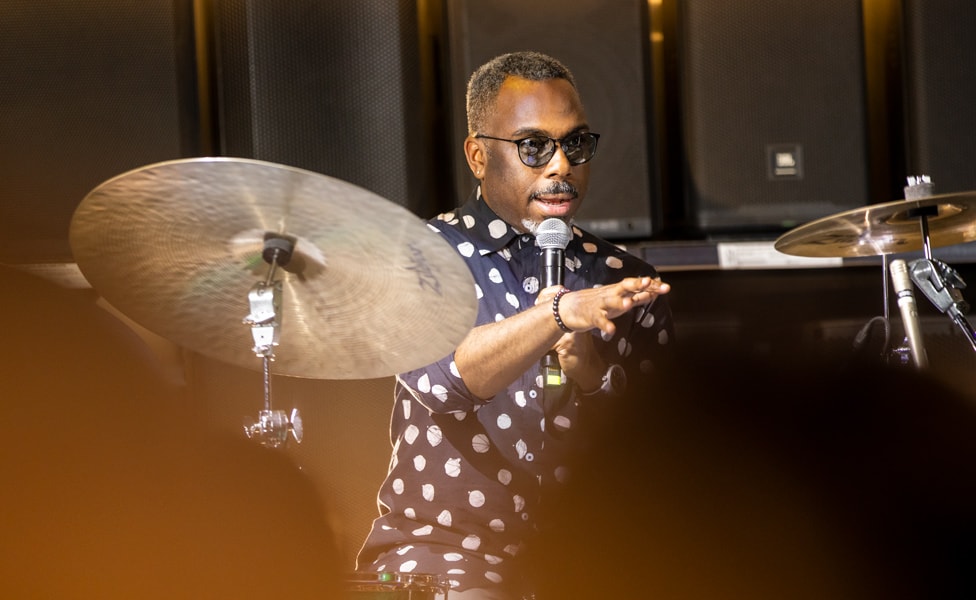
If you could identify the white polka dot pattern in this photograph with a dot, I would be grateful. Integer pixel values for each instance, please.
(467, 473)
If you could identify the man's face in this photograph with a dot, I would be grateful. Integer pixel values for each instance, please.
(525, 196)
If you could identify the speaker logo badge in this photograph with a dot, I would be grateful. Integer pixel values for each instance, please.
(784, 161)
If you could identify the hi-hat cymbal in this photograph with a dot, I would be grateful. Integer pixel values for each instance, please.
(886, 228)
(369, 290)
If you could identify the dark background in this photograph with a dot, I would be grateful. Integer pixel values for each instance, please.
(694, 98)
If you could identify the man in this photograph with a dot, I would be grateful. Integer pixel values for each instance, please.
(478, 437)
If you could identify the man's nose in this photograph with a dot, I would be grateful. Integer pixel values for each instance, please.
(559, 163)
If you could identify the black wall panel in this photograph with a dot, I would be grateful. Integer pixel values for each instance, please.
(88, 90)
(940, 92)
(331, 87)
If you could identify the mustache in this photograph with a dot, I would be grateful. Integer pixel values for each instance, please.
(557, 187)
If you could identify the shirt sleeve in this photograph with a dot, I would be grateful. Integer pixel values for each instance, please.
(648, 338)
(439, 387)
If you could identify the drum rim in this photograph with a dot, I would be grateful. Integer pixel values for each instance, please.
(397, 580)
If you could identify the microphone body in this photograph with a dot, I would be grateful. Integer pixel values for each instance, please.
(909, 311)
(552, 236)
(553, 263)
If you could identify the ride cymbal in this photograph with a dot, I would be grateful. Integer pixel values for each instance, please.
(887, 228)
(369, 290)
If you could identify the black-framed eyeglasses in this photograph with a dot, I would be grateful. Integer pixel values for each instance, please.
(537, 150)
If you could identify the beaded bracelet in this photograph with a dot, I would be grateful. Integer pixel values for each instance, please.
(555, 310)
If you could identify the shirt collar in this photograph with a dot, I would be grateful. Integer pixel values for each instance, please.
(489, 232)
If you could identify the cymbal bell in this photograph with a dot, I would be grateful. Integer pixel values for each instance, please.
(369, 290)
(886, 228)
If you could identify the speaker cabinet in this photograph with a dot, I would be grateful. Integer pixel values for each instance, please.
(606, 46)
(88, 90)
(773, 104)
(331, 87)
(940, 92)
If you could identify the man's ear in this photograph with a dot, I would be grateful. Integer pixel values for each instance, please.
(474, 153)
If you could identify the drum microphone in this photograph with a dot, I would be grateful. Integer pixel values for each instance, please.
(552, 236)
(909, 311)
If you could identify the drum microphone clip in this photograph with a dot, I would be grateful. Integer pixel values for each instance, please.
(941, 284)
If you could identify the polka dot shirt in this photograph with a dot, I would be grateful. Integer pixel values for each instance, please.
(467, 475)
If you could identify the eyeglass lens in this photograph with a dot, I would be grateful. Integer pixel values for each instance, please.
(538, 150)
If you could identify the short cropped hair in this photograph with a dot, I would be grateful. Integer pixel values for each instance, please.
(487, 80)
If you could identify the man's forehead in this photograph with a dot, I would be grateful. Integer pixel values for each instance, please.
(524, 104)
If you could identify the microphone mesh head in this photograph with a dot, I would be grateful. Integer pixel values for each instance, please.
(553, 233)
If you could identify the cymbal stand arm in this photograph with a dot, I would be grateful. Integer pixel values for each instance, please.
(273, 426)
(967, 329)
(921, 186)
(265, 302)
(926, 243)
(266, 371)
(884, 284)
(276, 253)
(265, 351)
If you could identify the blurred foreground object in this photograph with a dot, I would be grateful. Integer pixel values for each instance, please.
(740, 478)
(114, 488)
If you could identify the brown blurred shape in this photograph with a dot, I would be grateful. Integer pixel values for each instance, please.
(735, 477)
(115, 488)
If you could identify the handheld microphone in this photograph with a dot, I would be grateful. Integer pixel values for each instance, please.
(909, 311)
(552, 236)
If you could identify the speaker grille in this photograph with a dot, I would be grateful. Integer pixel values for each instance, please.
(89, 90)
(940, 58)
(773, 102)
(332, 87)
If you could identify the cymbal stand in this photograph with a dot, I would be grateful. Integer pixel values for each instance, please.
(273, 426)
(864, 334)
(938, 281)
